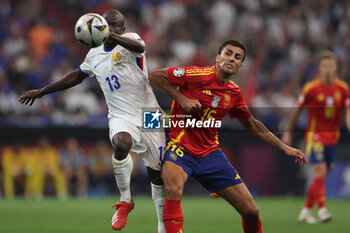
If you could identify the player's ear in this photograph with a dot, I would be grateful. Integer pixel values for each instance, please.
(217, 58)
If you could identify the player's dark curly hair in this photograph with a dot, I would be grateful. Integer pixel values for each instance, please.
(234, 43)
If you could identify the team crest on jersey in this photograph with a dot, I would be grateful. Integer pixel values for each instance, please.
(320, 97)
(179, 72)
(227, 99)
(116, 57)
(215, 101)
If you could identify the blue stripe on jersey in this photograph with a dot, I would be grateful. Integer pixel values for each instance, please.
(138, 61)
(85, 74)
(107, 50)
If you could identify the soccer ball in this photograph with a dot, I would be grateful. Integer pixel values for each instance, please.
(91, 30)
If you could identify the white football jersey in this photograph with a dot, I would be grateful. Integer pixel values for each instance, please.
(123, 78)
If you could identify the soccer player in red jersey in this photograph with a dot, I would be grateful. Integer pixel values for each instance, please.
(325, 97)
(204, 96)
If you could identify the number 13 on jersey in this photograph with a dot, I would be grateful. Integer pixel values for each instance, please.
(113, 82)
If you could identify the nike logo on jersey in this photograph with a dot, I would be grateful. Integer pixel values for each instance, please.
(97, 64)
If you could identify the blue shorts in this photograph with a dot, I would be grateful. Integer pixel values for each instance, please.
(213, 171)
(319, 153)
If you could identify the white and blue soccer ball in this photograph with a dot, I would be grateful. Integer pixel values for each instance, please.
(91, 30)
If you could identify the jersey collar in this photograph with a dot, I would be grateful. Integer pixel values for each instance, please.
(108, 50)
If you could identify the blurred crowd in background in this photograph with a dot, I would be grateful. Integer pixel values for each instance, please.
(283, 39)
(37, 46)
(65, 169)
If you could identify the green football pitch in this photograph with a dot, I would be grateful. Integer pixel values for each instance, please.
(202, 215)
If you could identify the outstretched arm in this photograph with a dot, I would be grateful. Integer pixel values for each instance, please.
(258, 129)
(287, 135)
(69, 80)
(128, 43)
(160, 79)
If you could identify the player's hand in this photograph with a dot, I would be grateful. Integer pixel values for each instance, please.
(29, 97)
(287, 138)
(299, 156)
(191, 105)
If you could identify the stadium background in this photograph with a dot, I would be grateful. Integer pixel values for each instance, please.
(283, 39)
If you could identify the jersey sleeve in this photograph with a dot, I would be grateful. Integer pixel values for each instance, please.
(303, 97)
(135, 36)
(177, 75)
(240, 109)
(86, 66)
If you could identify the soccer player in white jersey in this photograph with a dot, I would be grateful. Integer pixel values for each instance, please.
(119, 67)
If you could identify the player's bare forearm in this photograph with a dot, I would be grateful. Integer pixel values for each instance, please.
(128, 43)
(69, 80)
(287, 136)
(293, 119)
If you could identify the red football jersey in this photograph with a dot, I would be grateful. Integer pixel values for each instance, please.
(324, 104)
(200, 136)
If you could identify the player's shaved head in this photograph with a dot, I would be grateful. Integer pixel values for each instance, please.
(114, 14)
(115, 21)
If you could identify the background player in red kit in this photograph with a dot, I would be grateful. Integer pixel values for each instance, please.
(207, 94)
(325, 97)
